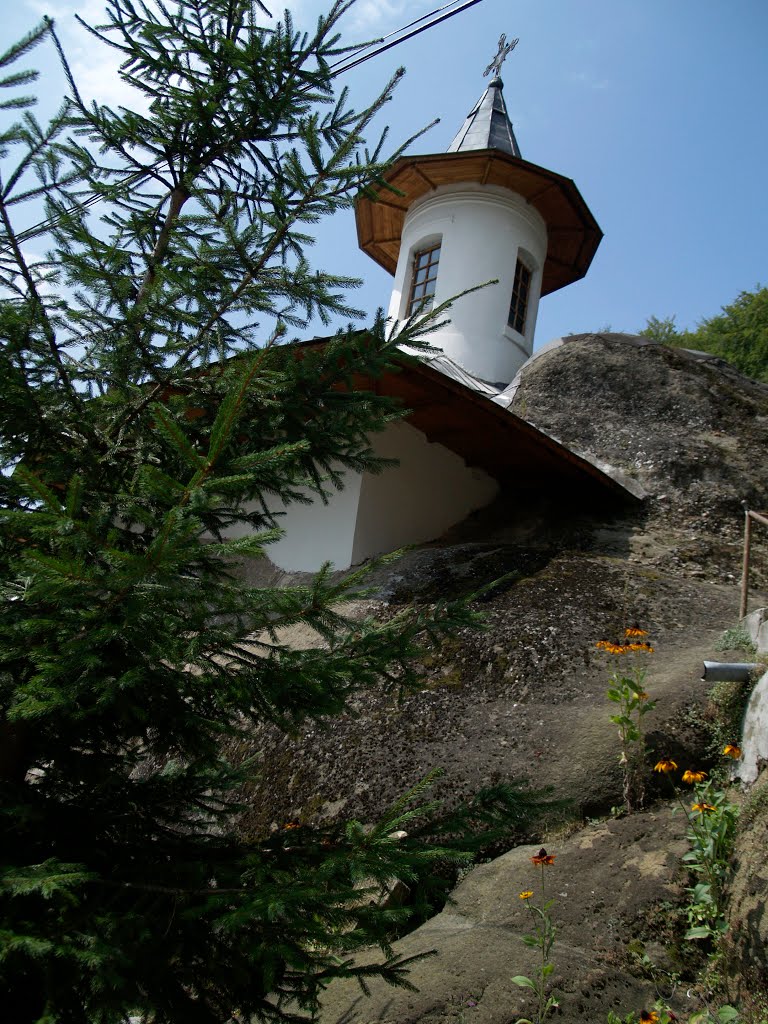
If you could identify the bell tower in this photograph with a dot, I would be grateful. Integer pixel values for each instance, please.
(476, 213)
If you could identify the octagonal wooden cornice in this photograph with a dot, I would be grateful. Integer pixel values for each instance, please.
(573, 233)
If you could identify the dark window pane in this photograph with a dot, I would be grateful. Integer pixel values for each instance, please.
(518, 308)
(423, 280)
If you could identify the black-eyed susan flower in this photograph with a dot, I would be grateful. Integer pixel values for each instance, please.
(611, 648)
(526, 895)
(648, 1017)
(693, 777)
(543, 858)
(732, 750)
(665, 766)
(633, 631)
(703, 808)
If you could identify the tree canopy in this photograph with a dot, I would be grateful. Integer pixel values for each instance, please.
(739, 334)
(147, 406)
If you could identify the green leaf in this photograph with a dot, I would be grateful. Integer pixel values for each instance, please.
(699, 932)
(523, 982)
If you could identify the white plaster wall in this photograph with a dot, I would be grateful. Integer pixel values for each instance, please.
(483, 228)
(315, 533)
(431, 490)
(754, 740)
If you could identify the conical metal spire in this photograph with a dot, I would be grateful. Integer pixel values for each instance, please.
(487, 125)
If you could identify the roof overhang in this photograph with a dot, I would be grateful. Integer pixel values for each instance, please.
(573, 234)
(489, 436)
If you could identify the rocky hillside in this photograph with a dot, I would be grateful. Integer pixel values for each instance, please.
(525, 699)
(687, 426)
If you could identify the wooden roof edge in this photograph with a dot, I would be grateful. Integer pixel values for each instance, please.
(555, 177)
(604, 474)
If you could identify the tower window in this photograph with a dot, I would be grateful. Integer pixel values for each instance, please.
(423, 280)
(521, 289)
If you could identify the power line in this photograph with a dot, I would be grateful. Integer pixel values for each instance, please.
(346, 64)
(409, 35)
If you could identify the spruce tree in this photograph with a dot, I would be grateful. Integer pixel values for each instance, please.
(145, 414)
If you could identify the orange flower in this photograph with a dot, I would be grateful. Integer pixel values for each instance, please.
(648, 1017)
(611, 648)
(692, 777)
(543, 858)
(665, 765)
(732, 750)
(642, 695)
(703, 808)
(526, 895)
(634, 631)
(291, 824)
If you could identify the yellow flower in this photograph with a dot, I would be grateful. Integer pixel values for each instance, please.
(641, 647)
(732, 750)
(665, 765)
(526, 895)
(702, 808)
(642, 695)
(693, 777)
(648, 1017)
(634, 631)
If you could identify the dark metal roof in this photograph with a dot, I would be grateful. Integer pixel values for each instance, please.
(487, 125)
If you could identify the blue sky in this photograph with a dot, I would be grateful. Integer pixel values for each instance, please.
(656, 109)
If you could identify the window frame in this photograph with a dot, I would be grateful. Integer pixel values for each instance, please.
(520, 301)
(423, 302)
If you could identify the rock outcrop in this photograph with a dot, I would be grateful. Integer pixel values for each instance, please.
(525, 698)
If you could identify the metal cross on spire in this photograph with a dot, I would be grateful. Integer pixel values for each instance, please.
(505, 49)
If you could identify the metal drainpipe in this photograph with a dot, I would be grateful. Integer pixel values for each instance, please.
(729, 671)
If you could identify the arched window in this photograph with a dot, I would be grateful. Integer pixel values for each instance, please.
(423, 279)
(521, 290)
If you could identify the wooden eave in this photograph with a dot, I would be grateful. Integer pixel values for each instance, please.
(573, 233)
(485, 434)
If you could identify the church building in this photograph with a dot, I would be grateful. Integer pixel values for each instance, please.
(476, 213)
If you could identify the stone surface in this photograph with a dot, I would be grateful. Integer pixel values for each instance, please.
(748, 897)
(756, 624)
(755, 735)
(692, 430)
(526, 697)
(610, 882)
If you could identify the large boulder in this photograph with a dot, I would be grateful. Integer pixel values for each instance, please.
(613, 884)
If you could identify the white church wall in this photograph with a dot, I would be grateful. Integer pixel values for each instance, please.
(431, 490)
(315, 533)
(483, 230)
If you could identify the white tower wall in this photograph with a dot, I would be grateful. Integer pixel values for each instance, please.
(483, 230)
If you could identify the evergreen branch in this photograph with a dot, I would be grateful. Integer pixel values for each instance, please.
(39, 307)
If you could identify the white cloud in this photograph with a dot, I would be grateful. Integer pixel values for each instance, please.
(95, 65)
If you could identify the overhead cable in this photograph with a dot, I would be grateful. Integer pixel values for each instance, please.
(387, 42)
